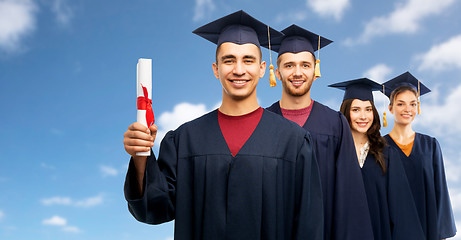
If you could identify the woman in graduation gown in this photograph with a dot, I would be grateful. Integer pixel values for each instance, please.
(383, 175)
(421, 157)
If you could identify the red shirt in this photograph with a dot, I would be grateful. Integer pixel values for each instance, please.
(237, 129)
(298, 116)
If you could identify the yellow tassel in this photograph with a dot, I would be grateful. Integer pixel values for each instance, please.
(419, 107)
(272, 79)
(384, 120)
(317, 68)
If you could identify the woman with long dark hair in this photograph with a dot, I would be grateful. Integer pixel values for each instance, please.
(421, 157)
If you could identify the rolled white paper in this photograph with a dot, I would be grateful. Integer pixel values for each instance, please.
(144, 79)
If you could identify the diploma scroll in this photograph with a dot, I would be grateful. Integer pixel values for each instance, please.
(145, 114)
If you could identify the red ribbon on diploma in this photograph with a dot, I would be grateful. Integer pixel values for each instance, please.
(144, 103)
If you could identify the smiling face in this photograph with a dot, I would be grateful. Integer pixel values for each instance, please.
(404, 107)
(361, 116)
(296, 71)
(239, 69)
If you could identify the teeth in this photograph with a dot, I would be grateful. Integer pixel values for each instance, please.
(297, 82)
(239, 81)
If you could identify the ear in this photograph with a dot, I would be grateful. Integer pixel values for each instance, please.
(277, 74)
(390, 109)
(215, 70)
(262, 69)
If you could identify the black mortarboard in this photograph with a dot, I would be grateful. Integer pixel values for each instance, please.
(358, 89)
(238, 27)
(297, 39)
(405, 79)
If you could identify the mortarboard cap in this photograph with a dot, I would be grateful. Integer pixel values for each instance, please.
(297, 39)
(238, 27)
(358, 89)
(405, 79)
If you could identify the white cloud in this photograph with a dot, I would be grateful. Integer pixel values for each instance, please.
(55, 221)
(440, 117)
(60, 222)
(455, 197)
(108, 171)
(441, 57)
(67, 201)
(90, 202)
(378, 73)
(329, 8)
(63, 12)
(406, 18)
(17, 19)
(182, 112)
(57, 201)
(452, 167)
(202, 9)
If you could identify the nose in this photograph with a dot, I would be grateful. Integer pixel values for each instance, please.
(239, 69)
(298, 72)
(407, 108)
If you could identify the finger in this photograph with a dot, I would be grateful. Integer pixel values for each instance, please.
(137, 135)
(137, 142)
(137, 127)
(153, 130)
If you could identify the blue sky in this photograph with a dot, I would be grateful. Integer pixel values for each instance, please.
(68, 93)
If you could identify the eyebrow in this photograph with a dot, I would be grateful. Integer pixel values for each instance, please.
(227, 57)
(249, 56)
(293, 63)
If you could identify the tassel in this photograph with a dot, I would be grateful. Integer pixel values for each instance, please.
(317, 62)
(272, 79)
(419, 107)
(317, 68)
(384, 119)
(419, 99)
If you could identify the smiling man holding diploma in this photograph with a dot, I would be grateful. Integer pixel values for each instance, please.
(238, 172)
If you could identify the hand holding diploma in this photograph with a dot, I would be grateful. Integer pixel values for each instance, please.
(145, 114)
(139, 138)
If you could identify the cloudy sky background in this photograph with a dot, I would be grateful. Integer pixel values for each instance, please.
(67, 92)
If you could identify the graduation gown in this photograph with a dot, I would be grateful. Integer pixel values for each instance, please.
(376, 187)
(345, 202)
(389, 199)
(425, 172)
(270, 190)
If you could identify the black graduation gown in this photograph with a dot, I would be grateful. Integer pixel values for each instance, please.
(389, 199)
(376, 187)
(426, 177)
(270, 190)
(345, 202)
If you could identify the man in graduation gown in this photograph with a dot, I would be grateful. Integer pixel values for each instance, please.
(345, 202)
(238, 172)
